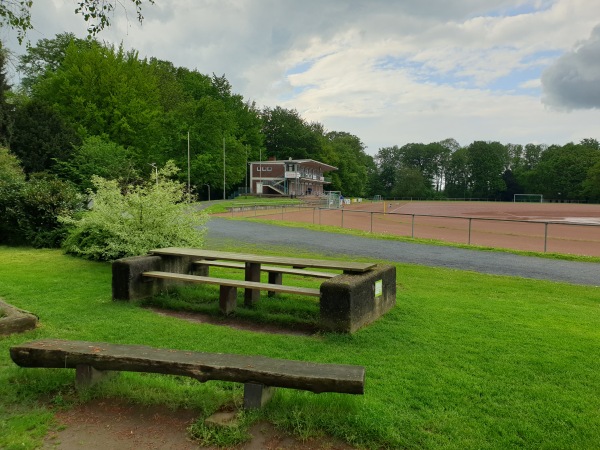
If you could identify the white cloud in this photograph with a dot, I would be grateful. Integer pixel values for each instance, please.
(389, 72)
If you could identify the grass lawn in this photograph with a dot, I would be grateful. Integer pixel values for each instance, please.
(464, 360)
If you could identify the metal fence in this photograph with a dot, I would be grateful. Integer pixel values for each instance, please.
(528, 235)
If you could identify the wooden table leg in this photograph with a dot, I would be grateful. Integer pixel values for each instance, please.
(251, 296)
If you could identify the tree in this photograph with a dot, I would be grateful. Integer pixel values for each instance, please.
(411, 183)
(97, 156)
(346, 152)
(12, 180)
(5, 108)
(41, 136)
(16, 14)
(458, 175)
(562, 171)
(287, 135)
(46, 57)
(487, 161)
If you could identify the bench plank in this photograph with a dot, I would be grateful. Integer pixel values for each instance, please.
(234, 283)
(314, 377)
(346, 266)
(286, 270)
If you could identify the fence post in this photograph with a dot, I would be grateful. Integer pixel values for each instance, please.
(319, 216)
(342, 218)
(314, 215)
(371, 221)
(545, 236)
(469, 241)
(412, 231)
(282, 209)
(255, 208)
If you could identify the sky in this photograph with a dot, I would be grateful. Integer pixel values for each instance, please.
(391, 72)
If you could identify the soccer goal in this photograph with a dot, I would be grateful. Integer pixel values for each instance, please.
(529, 198)
(331, 199)
(377, 198)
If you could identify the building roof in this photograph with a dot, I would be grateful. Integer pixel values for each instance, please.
(305, 162)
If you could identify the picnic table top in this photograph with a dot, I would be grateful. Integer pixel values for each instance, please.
(346, 266)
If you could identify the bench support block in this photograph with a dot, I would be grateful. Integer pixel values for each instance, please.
(275, 278)
(350, 301)
(87, 376)
(227, 299)
(251, 296)
(257, 395)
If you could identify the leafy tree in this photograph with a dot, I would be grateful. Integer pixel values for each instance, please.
(562, 171)
(347, 154)
(5, 109)
(12, 180)
(41, 136)
(388, 161)
(592, 183)
(46, 57)
(411, 183)
(144, 216)
(458, 175)
(16, 14)
(487, 161)
(97, 156)
(288, 135)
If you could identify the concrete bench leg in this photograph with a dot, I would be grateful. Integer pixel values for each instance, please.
(275, 278)
(251, 296)
(257, 395)
(87, 376)
(228, 299)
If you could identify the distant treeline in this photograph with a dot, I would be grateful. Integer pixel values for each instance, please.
(86, 108)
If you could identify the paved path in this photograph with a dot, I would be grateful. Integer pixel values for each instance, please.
(341, 245)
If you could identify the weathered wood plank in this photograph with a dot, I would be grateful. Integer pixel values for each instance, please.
(314, 377)
(234, 283)
(285, 270)
(346, 266)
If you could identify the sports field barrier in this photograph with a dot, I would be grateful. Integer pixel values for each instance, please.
(517, 234)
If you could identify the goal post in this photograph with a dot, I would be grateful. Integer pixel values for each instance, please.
(332, 199)
(528, 198)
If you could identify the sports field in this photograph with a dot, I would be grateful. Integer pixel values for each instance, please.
(539, 227)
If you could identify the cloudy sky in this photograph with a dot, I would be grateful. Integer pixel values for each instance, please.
(388, 71)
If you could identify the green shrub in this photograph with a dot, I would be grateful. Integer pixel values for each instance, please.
(12, 180)
(134, 220)
(38, 206)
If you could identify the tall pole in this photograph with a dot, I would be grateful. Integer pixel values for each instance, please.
(223, 168)
(189, 191)
(260, 174)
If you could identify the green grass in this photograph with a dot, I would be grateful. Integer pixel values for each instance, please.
(224, 205)
(464, 360)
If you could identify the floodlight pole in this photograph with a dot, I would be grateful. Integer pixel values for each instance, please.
(188, 161)
(223, 168)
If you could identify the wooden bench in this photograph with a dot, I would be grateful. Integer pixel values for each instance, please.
(275, 273)
(252, 263)
(259, 374)
(228, 288)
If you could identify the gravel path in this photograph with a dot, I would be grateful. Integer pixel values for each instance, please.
(340, 245)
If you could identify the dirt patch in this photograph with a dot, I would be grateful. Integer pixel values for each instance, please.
(239, 324)
(114, 425)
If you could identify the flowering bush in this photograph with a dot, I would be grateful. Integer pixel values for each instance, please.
(135, 220)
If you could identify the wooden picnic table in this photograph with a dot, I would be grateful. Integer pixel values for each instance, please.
(253, 262)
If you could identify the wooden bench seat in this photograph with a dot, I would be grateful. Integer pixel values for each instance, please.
(228, 288)
(270, 269)
(258, 373)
